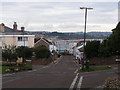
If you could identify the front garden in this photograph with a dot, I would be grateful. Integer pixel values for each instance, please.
(13, 67)
(16, 59)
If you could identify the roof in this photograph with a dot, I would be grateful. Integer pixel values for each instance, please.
(50, 43)
(80, 48)
(47, 41)
(9, 31)
(17, 35)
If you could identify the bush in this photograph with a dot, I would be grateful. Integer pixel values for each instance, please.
(112, 83)
(92, 49)
(42, 52)
(109, 47)
(9, 53)
(24, 52)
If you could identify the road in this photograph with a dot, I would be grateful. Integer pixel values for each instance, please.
(61, 74)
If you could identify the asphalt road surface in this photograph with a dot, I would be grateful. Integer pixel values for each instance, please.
(59, 75)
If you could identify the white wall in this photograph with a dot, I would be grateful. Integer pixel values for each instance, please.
(13, 40)
(52, 47)
(22, 43)
(77, 53)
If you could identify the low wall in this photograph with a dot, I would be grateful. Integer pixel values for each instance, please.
(104, 61)
(44, 61)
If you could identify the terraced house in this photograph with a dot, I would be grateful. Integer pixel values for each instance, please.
(14, 37)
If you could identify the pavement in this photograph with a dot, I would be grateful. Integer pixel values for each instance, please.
(62, 74)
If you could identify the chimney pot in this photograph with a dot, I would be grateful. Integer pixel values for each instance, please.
(2, 24)
(15, 26)
(2, 28)
(22, 28)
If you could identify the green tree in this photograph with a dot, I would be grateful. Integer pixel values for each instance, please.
(92, 49)
(24, 52)
(9, 53)
(111, 45)
(114, 40)
(42, 52)
(104, 50)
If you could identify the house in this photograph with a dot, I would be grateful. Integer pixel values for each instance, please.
(78, 51)
(50, 45)
(14, 37)
(64, 45)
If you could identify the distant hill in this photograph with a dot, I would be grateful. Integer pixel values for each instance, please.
(69, 35)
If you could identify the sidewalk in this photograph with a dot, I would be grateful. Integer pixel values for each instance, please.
(36, 67)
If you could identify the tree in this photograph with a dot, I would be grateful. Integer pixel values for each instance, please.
(92, 49)
(114, 40)
(24, 52)
(42, 52)
(111, 45)
(9, 53)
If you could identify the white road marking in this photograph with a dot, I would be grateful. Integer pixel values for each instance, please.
(73, 83)
(56, 62)
(12, 80)
(80, 83)
(30, 71)
(8, 74)
(44, 67)
(76, 71)
(35, 70)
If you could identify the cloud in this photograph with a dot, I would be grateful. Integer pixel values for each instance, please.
(59, 0)
(60, 16)
(119, 11)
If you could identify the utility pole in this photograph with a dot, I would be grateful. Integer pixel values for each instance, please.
(84, 57)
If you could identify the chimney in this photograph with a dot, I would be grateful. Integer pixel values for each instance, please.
(22, 29)
(15, 26)
(2, 27)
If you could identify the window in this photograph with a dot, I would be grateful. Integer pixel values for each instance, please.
(25, 38)
(22, 38)
(19, 38)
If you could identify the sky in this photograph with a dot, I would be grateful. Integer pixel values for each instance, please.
(59, 16)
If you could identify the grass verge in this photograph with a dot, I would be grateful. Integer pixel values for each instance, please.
(95, 68)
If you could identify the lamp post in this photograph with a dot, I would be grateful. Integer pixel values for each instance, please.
(84, 57)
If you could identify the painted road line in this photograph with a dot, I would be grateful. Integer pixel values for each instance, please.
(76, 71)
(73, 83)
(80, 83)
(8, 74)
(12, 80)
(45, 67)
(35, 70)
(32, 70)
(57, 62)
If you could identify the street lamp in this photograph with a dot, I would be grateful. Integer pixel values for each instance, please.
(84, 58)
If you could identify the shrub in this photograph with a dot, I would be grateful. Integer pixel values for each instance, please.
(112, 83)
(24, 52)
(42, 52)
(9, 53)
(92, 49)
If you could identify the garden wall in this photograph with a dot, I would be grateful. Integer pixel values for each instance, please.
(103, 61)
